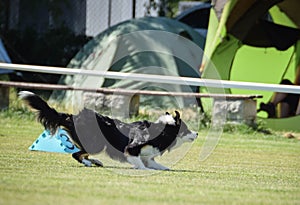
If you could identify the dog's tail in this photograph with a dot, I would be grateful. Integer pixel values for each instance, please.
(49, 117)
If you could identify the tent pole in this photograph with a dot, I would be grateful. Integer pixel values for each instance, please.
(133, 8)
(109, 13)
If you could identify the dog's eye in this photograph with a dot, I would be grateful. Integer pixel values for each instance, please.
(181, 133)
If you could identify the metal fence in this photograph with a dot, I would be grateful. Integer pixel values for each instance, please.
(50, 32)
(83, 17)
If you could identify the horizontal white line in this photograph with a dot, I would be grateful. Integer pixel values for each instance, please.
(156, 78)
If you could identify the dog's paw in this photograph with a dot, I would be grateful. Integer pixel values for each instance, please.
(96, 162)
(142, 168)
(162, 168)
(86, 162)
(150, 163)
(166, 169)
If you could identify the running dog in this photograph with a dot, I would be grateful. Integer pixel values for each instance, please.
(137, 143)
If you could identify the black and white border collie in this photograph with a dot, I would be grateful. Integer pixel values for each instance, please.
(137, 143)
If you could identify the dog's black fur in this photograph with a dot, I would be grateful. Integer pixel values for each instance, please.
(137, 142)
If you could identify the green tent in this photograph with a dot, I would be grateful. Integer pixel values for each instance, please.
(146, 45)
(254, 41)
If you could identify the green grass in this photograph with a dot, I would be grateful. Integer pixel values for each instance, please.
(245, 168)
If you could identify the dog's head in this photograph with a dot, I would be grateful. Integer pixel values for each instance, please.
(179, 128)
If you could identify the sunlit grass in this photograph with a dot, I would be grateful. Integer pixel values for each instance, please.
(245, 168)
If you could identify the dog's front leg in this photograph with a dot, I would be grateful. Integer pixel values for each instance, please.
(152, 164)
(136, 162)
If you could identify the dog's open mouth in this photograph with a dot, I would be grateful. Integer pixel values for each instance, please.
(191, 139)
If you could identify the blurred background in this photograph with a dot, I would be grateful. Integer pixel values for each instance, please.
(51, 32)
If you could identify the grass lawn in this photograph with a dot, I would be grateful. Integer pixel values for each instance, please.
(249, 168)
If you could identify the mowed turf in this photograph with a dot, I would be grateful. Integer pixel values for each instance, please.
(243, 169)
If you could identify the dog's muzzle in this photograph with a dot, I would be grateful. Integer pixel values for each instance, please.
(192, 136)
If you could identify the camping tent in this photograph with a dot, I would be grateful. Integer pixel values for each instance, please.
(254, 41)
(4, 92)
(197, 17)
(145, 45)
(4, 58)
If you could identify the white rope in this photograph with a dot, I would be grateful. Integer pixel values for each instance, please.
(156, 78)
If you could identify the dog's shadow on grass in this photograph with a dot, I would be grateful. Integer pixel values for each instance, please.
(119, 168)
(184, 171)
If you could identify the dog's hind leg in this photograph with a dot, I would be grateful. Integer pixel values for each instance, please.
(83, 157)
(96, 162)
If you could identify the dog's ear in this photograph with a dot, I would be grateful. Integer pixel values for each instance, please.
(167, 113)
(177, 117)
